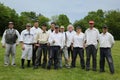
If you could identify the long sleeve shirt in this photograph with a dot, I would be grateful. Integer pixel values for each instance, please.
(78, 40)
(106, 40)
(42, 37)
(91, 36)
(69, 37)
(36, 30)
(55, 39)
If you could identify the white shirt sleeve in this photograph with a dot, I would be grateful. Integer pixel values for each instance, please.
(3, 38)
(50, 39)
(18, 35)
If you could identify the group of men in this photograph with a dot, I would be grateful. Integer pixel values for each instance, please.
(45, 48)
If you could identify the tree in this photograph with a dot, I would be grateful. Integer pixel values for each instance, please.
(7, 14)
(63, 20)
(113, 22)
(42, 19)
(54, 18)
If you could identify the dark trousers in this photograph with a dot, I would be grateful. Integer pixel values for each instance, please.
(106, 53)
(91, 50)
(54, 56)
(42, 49)
(70, 51)
(80, 51)
(34, 54)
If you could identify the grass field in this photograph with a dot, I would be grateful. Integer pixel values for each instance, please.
(16, 73)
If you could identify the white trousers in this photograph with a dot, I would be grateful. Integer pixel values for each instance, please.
(27, 52)
(10, 49)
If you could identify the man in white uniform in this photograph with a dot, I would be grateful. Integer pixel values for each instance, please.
(27, 40)
(106, 41)
(9, 42)
(35, 30)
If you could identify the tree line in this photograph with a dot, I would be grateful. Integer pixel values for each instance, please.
(110, 18)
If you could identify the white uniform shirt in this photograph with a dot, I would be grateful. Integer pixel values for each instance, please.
(106, 40)
(36, 30)
(57, 38)
(69, 37)
(27, 36)
(3, 37)
(91, 36)
(50, 31)
(78, 40)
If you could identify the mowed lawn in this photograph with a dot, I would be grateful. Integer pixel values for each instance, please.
(16, 73)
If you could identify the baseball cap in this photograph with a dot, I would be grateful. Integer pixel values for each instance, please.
(62, 27)
(10, 22)
(78, 27)
(56, 27)
(105, 26)
(28, 24)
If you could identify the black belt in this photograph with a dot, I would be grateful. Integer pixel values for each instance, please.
(28, 43)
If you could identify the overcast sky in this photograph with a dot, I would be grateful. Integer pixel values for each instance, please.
(74, 9)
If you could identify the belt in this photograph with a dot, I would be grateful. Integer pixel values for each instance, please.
(28, 43)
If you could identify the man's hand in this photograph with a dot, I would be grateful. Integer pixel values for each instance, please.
(3, 46)
(53, 41)
(37, 44)
(23, 47)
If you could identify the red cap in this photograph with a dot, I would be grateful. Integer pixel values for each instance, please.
(91, 22)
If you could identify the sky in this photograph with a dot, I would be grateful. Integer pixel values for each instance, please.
(74, 9)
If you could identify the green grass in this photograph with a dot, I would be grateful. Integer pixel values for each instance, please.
(16, 73)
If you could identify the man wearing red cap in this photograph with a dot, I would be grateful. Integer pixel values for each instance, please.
(91, 42)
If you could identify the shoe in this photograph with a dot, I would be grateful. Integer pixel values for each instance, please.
(102, 71)
(5, 64)
(48, 67)
(72, 66)
(35, 67)
(13, 64)
(94, 69)
(87, 69)
(22, 67)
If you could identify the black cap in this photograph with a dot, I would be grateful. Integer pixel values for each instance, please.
(44, 24)
(105, 26)
(56, 27)
(78, 27)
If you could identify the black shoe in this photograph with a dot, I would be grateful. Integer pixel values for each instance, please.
(83, 67)
(72, 66)
(43, 65)
(102, 71)
(56, 68)
(94, 69)
(35, 67)
(112, 72)
(48, 67)
(87, 69)
(22, 67)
